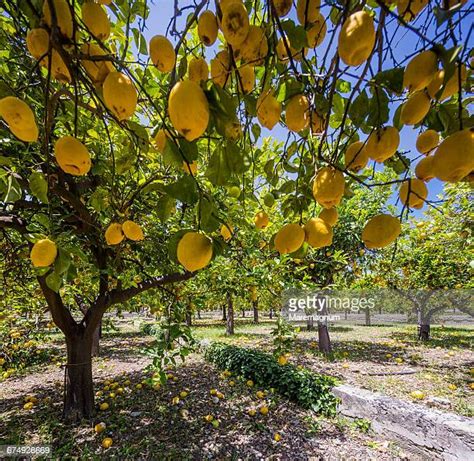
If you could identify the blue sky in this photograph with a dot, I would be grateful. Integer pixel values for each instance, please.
(407, 43)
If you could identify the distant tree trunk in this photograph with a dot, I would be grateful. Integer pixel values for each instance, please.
(367, 317)
(345, 314)
(199, 314)
(310, 323)
(255, 311)
(424, 332)
(243, 313)
(189, 319)
(323, 338)
(79, 391)
(230, 315)
(271, 313)
(224, 312)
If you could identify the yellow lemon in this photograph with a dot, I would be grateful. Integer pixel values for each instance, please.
(246, 78)
(316, 34)
(380, 231)
(37, 42)
(413, 193)
(328, 187)
(417, 395)
(207, 28)
(107, 442)
(226, 232)
(254, 48)
(383, 143)
(282, 7)
(454, 158)
(63, 16)
(188, 109)
(264, 410)
(104, 406)
(452, 85)
(268, 109)
(415, 108)
(72, 156)
(162, 53)
(114, 234)
(424, 169)
(427, 141)
(318, 233)
(97, 70)
(357, 38)
(235, 23)
(307, 11)
(198, 70)
(96, 20)
(194, 251)
(420, 71)
(98, 428)
(261, 220)
(277, 437)
(19, 117)
(409, 9)
(285, 50)
(59, 70)
(120, 96)
(297, 113)
(282, 360)
(132, 231)
(289, 238)
(356, 156)
(160, 140)
(43, 253)
(330, 215)
(317, 123)
(220, 68)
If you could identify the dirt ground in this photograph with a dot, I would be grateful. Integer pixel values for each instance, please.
(146, 424)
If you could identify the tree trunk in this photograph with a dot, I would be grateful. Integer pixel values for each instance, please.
(367, 317)
(199, 314)
(189, 319)
(424, 332)
(79, 388)
(230, 315)
(95, 340)
(255, 311)
(224, 312)
(310, 323)
(323, 338)
(243, 313)
(271, 313)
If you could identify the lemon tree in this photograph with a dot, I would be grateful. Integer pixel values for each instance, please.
(121, 154)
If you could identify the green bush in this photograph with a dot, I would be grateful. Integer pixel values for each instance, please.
(302, 386)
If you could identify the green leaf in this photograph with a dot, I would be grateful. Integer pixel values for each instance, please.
(165, 207)
(391, 79)
(53, 281)
(358, 109)
(209, 217)
(62, 262)
(39, 186)
(296, 34)
(378, 108)
(184, 190)
(226, 161)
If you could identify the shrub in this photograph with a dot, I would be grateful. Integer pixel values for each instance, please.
(308, 389)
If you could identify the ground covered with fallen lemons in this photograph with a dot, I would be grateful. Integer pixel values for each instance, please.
(203, 412)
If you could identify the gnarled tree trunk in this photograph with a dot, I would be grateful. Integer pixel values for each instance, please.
(79, 388)
(324, 340)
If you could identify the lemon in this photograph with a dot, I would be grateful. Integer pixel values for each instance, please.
(207, 28)
(409, 9)
(220, 68)
(120, 96)
(43, 253)
(380, 231)
(198, 70)
(254, 48)
(246, 79)
(356, 156)
(317, 32)
(297, 113)
(104, 406)
(226, 232)
(132, 231)
(19, 117)
(235, 23)
(72, 156)
(160, 140)
(454, 158)
(427, 141)
(420, 71)
(307, 11)
(114, 234)
(97, 70)
(318, 233)
(188, 109)
(261, 220)
(330, 215)
(162, 53)
(268, 109)
(98, 428)
(96, 20)
(63, 16)
(107, 442)
(37, 42)
(282, 7)
(289, 238)
(194, 251)
(424, 169)
(413, 193)
(328, 187)
(356, 39)
(415, 108)
(383, 143)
